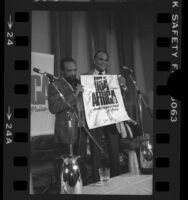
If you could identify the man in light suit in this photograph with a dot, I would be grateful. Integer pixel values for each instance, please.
(101, 62)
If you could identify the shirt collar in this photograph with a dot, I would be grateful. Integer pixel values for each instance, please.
(96, 72)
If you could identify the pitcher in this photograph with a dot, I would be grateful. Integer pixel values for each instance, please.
(70, 176)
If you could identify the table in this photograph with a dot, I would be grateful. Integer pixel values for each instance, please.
(126, 184)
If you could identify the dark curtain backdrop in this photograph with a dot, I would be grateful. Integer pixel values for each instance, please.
(61, 41)
(124, 34)
(99, 29)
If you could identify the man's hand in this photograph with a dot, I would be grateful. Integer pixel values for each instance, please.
(132, 121)
(122, 82)
(79, 88)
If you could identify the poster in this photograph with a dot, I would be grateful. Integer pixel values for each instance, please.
(42, 121)
(103, 101)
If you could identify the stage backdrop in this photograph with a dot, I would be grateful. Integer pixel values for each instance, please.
(42, 121)
(103, 101)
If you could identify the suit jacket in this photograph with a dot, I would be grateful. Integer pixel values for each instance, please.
(65, 131)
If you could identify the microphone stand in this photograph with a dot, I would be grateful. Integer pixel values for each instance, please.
(140, 99)
(80, 121)
(145, 148)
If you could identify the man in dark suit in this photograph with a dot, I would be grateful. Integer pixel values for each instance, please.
(68, 130)
(101, 62)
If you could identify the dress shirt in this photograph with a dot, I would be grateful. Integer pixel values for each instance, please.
(96, 72)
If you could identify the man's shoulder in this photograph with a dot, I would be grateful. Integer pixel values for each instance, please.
(57, 83)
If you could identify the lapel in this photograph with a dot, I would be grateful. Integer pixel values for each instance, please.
(64, 87)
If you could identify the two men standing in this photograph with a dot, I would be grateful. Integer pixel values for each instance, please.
(71, 89)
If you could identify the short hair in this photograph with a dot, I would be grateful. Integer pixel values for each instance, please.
(64, 60)
(101, 51)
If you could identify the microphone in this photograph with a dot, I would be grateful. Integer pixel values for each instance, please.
(44, 73)
(126, 68)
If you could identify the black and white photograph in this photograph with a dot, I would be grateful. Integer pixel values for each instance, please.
(62, 1)
(94, 1)
(91, 119)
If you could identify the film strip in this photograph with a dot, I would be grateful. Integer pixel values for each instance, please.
(17, 94)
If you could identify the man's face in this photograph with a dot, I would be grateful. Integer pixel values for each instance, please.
(101, 61)
(69, 72)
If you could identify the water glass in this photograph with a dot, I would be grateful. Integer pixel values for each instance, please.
(104, 174)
